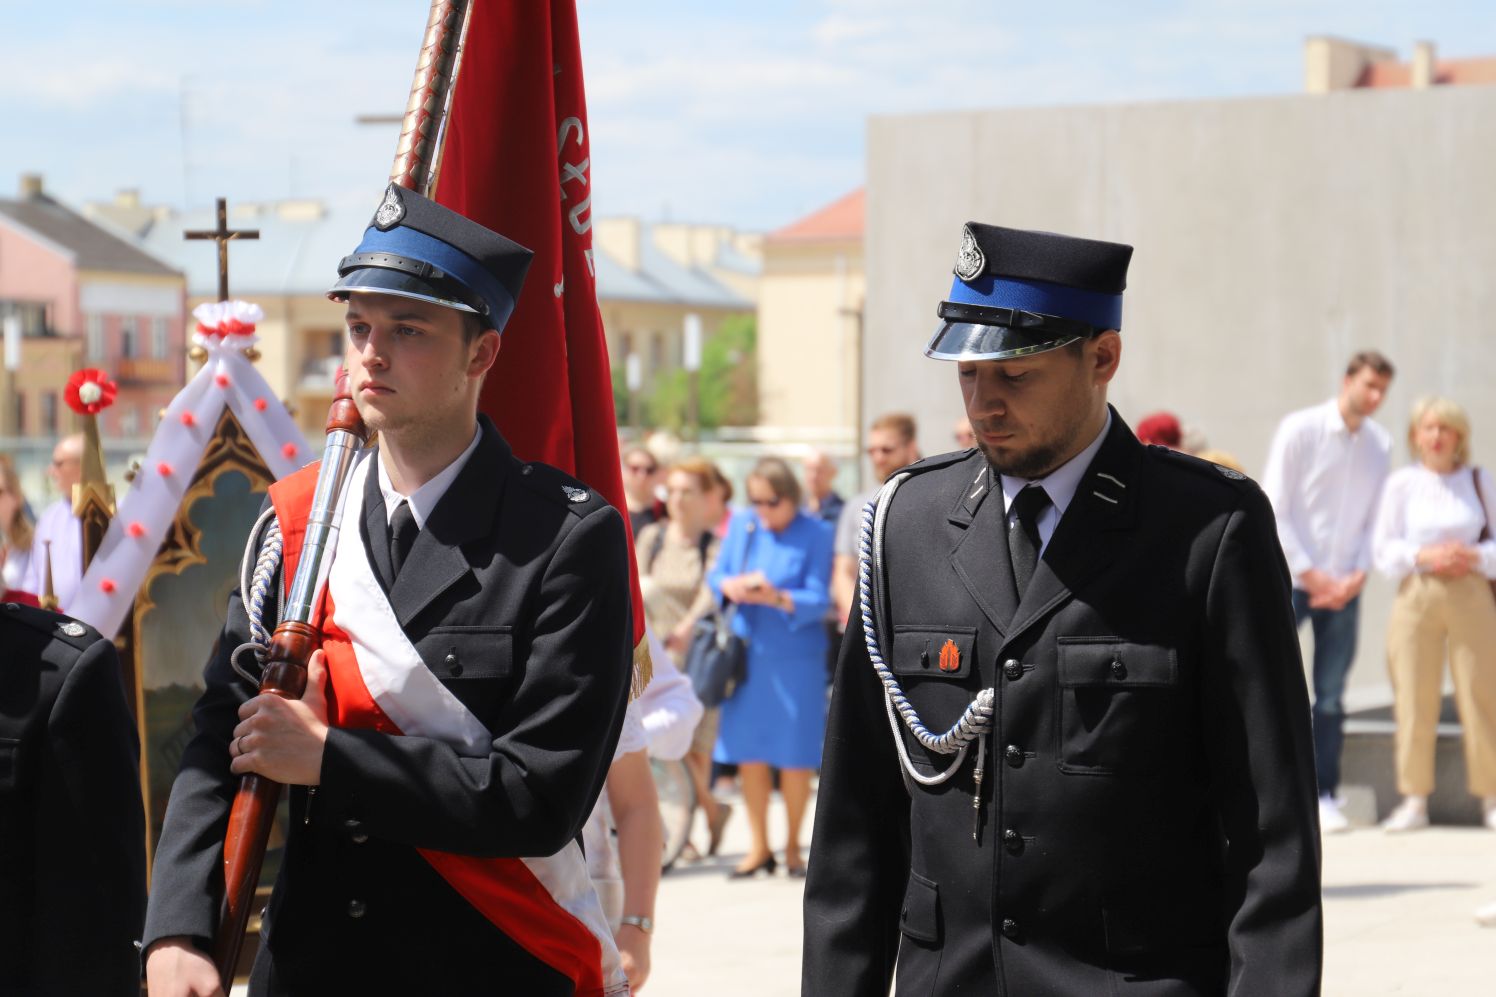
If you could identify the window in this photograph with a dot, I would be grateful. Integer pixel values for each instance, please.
(20, 413)
(49, 413)
(158, 338)
(33, 316)
(129, 345)
(657, 352)
(129, 421)
(95, 326)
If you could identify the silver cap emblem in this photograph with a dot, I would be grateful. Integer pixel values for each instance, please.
(575, 494)
(391, 209)
(71, 629)
(969, 261)
(1230, 473)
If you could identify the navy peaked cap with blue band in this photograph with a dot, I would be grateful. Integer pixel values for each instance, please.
(1018, 293)
(415, 248)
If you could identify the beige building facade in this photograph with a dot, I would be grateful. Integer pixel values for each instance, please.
(810, 317)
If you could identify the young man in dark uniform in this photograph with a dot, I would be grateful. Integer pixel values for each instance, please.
(1126, 804)
(72, 825)
(459, 720)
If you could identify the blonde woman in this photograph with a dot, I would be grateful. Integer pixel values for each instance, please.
(674, 557)
(1433, 536)
(17, 530)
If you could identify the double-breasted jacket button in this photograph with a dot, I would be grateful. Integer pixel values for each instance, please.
(453, 665)
(355, 829)
(1013, 842)
(1119, 670)
(1013, 754)
(357, 908)
(1013, 669)
(1010, 928)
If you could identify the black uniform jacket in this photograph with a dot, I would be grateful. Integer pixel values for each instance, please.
(72, 825)
(1148, 814)
(516, 594)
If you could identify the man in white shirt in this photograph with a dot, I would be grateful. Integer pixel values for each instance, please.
(1324, 474)
(59, 535)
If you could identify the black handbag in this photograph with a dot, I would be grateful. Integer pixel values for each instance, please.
(717, 659)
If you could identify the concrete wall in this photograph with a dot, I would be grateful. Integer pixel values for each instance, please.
(1274, 237)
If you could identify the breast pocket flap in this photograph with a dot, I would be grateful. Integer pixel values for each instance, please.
(464, 653)
(934, 652)
(920, 918)
(1119, 664)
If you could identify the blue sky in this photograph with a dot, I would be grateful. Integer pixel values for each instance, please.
(746, 113)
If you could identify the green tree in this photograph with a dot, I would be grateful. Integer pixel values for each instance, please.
(729, 374)
(727, 381)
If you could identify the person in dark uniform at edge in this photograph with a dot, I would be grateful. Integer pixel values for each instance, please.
(1144, 822)
(482, 611)
(72, 824)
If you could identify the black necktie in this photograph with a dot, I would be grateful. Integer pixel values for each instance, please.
(403, 530)
(1023, 534)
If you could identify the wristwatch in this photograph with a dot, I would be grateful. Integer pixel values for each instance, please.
(644, 924)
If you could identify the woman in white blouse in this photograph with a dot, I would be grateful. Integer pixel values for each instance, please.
(1432, 533)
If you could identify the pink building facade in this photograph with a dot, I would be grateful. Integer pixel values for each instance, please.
(84, 296)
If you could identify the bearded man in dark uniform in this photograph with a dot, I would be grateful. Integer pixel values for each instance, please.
(1069, 749)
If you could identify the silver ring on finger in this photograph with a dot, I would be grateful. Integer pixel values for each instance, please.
(240, 744)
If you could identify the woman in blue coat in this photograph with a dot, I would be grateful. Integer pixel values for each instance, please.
(775, 563)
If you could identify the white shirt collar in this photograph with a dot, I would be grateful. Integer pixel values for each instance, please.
(424, 499)
(1334, 421)
(1061, 483)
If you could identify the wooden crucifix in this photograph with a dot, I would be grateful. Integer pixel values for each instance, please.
(222, 235)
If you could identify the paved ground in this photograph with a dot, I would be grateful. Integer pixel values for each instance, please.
(1397, 920)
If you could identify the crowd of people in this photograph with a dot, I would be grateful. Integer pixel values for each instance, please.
(1343, 512)
(781, 567)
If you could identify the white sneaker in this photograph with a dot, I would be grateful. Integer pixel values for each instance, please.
(1486, 916)
(1411, 815)
(1488, 812)
(1331, 820)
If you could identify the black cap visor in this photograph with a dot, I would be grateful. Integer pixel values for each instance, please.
(380, 280)
(970, 332)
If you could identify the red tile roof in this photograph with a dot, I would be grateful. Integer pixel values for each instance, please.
(841, 219)
(1447, 72)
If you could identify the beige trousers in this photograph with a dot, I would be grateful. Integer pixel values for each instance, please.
(1431, 615)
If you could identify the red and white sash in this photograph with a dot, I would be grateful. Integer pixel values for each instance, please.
(546, 905)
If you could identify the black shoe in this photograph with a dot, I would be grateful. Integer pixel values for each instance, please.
(795, 871)
(767, 866)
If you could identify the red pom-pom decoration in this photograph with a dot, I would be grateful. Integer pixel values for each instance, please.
(188, 419)
(289, 449)
(222, 380)
(89, 391)
(136, 529)
(163, 469)
(261, 404)
(107, 586)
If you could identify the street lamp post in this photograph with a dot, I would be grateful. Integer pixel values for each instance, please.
(633, 373)
(691, 360)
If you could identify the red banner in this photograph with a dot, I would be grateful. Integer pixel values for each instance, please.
(516, 160)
